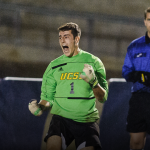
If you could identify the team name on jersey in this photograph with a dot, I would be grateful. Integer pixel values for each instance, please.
(70, 76)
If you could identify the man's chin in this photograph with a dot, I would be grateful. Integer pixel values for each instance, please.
(67, 54)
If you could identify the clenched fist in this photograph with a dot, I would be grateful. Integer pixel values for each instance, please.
(35, 108)
(89, 76)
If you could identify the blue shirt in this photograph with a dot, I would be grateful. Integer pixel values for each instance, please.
(137, 59)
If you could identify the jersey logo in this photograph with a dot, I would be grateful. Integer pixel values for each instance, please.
(70, 76)
(60, 69)
(137, 55)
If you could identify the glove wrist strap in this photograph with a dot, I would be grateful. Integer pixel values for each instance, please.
(37, 111)
(94, 83)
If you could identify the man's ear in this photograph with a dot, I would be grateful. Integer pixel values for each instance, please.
(77, 39)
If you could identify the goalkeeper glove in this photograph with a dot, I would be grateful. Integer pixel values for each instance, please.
(142, 77)
(35, 108)
(89, 76)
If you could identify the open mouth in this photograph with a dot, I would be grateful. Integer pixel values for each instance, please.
(66, 49)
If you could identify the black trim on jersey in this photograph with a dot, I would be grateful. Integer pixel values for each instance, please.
(70, 62)
(77, 97)
(59, 65)
(81, 97)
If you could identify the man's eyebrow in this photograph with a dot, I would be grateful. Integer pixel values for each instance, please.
(65, 35)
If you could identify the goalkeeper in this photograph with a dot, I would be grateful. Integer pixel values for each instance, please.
(136, 69)
(71, 84)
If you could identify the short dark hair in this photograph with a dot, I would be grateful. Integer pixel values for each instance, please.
(146, 11)
(75, 29)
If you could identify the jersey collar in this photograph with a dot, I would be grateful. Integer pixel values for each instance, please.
(147, 39)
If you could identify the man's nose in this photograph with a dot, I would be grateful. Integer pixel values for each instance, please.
(62, 39)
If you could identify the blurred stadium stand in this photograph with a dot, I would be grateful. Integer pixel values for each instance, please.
(29, 36)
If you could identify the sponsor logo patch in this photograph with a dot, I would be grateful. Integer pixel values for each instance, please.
(137, 55)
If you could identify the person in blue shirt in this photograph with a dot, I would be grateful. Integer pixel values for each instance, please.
(136, 69)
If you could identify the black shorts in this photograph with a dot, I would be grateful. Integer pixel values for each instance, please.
(138, 119)
(85, 134)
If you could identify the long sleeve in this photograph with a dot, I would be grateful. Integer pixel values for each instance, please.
(48, 88)
(101, 76)
(128, 68)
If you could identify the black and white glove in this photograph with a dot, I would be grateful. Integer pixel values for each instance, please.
(89, 76)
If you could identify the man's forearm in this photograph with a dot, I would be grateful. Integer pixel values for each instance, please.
(44, 104)
(99, 93)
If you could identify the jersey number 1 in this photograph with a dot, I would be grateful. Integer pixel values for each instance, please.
(72, 87)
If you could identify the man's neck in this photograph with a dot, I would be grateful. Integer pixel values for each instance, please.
(77, 50)
(148, 34)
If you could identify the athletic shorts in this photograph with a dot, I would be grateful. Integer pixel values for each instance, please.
(85, 134)
(138, 119)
